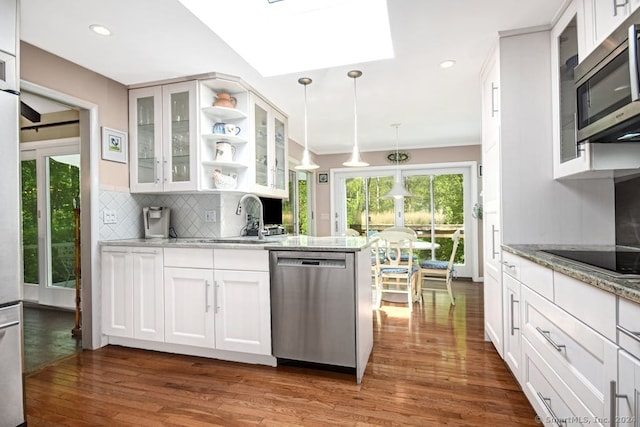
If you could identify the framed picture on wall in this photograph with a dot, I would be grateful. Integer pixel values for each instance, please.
(114, 145)
(323, 178)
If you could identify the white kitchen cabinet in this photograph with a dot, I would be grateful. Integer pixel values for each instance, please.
(132, 292)
(567, 158)
(8, 26)
(189, 297)
(270, 139)
(627, 390)
(582, 359)
(512, 334)
(491, 201)
(189, 311)
(242, 301)
(549, 396)
(163, 129)
(259, 161)
(604, 16)
(117, 291)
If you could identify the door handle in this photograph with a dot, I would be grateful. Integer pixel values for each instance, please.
(513, 327)
(546, 401)
(613, 395)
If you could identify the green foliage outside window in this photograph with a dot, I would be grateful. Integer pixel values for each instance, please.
(64, 187)
(448, 208)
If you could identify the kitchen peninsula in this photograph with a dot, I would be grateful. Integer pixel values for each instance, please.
(212, 297)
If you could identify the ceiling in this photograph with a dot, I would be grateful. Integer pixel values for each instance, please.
(159, 39)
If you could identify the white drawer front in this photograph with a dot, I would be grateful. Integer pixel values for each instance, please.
(511, 264)
(188, 257)
(629, 326)
(537, 277)
(593, 306)
(550, 397)
(241, 259)
(585, 360)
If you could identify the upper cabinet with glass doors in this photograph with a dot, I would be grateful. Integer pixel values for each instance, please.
(567, 158)
(163, 134)
(182, 138)
(270, 137)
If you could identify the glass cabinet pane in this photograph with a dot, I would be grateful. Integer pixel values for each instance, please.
(568, 59)
(180, 137)
(262, 156)
(280, 150)
(146, 140)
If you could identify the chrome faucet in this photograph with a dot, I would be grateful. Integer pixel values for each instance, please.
(261, 215)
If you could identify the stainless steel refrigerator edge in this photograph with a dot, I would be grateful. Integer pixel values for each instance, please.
(11, 379)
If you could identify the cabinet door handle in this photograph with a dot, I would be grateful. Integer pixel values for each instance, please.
(513, 327)
(494, 230)
(494, 92)
(634, 335)
(206, 296)
(215, 297)
(156, 170)
(547, 336)
(164, 171)
(546, 401)
(613, 395)
(8, 325)
(616, 5)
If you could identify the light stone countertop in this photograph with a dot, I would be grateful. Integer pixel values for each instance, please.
(287, 243)
(628, 287)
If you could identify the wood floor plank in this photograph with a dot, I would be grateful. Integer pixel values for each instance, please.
(430, 367)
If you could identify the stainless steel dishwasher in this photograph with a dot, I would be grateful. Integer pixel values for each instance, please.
(313, 307)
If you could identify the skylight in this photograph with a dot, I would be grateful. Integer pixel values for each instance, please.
(289, 36)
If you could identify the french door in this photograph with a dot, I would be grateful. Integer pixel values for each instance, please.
(441, 204)
(50, 195)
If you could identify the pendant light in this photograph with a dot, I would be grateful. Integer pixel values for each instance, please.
(355, 160)
(397, 191)
(307, 164)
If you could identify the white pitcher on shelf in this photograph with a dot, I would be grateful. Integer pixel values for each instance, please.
(224, 151)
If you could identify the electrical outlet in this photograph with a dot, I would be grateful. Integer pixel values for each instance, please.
(210, 216)
(109, 217)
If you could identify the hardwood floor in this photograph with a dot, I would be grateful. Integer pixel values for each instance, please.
(432, 368)
(47, 335)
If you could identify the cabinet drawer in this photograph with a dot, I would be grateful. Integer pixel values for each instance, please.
(188, 257)
(550, 397)
(241, 259)
(593, 306)
(511, 264)
(582, 358)
(535, 276)
(629, 326)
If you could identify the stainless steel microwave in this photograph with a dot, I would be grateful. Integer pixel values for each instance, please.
(607, 87)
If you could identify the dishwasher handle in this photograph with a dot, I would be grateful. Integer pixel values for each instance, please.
(312, 263)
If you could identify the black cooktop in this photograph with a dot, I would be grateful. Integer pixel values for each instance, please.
(620, 261)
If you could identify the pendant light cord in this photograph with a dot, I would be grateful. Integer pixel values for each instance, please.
(355, 114)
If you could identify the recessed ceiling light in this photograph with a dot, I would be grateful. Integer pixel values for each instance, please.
(448, 63)
(99, 29)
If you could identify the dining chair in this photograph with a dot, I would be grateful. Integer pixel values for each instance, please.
(350, 232)
(398, 274)
(436, 270)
